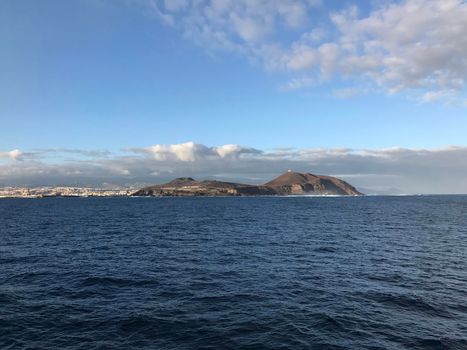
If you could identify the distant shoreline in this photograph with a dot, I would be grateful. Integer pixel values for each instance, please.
(229, 196)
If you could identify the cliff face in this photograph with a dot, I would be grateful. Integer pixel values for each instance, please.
(289, 183)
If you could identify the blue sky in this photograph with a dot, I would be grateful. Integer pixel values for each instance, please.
(93, 74)
(113, 75)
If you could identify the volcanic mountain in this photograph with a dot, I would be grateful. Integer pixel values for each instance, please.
(292, 183)
(289, 183)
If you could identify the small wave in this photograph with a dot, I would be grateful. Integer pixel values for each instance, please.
(325, 250)
(390, 278)
(8, 299)
(407, 302)
(107, 281)
(438, 343)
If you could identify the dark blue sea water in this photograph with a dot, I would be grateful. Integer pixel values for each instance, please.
(234, 273)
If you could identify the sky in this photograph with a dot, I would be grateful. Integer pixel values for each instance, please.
(120, 92)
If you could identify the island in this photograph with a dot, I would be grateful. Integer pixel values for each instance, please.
(289, 183)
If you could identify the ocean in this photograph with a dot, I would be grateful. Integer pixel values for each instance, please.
(375, 272)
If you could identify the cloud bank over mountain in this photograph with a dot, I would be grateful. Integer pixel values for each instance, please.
(418, 47)
(394, 170)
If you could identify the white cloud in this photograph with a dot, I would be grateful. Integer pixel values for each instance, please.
(15, 154)
(298, 83)
(415, 44)
(397, 170)
(167, 18)
(409, 45)
(191, 152)
(175, 5)
(234, 151)
(233, 24)
(185, 152)
(431, 96)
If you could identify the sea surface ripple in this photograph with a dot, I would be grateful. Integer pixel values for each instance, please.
(234, 273)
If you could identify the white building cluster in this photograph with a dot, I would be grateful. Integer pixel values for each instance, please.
(40, 192)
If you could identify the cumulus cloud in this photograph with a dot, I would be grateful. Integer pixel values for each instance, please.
(393, 170)
(190, 152)
(418, 46)
(415, 44)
